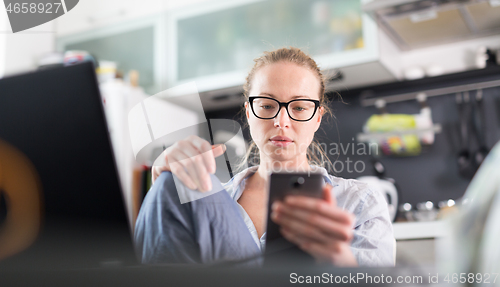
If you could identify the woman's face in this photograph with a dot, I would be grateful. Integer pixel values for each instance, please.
(283, 139)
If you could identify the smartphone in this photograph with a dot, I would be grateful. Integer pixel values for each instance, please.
(281, 185)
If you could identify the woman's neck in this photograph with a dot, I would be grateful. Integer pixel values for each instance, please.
(268, 166)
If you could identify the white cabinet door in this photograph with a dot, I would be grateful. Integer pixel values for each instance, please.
(213, 43)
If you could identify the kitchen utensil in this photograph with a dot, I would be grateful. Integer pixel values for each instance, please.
(425, 211)
(406, 210)
(466, 163)
(385, 186)
(479, 129)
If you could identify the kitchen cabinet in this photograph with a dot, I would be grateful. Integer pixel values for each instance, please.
(133, 45)
(215, 42)
(419, 252)
(416, 241)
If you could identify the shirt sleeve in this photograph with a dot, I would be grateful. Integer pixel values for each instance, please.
(373, 243)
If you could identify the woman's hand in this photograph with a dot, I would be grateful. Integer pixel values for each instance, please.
(191, 160)
(317, 226)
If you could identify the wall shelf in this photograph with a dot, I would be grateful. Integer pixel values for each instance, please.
(365, 137)
(432, 93)
(432, 86)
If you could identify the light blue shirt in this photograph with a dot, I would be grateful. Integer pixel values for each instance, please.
(373, 243)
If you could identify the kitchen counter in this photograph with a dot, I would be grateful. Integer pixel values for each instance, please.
(420, 229)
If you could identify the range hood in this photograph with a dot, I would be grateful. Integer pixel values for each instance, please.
(421, 23)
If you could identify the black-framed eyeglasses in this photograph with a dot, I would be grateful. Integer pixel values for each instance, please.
(301, 110)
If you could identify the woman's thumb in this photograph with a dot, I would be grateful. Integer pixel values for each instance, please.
(218, 149)
(328, 194)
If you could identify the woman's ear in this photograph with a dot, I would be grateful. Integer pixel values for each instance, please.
(321, 111)
(246, 110)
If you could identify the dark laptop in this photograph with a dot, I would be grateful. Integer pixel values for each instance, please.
(55, 119)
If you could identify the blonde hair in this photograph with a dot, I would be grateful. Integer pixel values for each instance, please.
(315, 153)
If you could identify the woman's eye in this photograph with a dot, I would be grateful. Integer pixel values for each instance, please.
(266, 107)
(299, 109)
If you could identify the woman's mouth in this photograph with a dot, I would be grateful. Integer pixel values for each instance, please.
(281, 141)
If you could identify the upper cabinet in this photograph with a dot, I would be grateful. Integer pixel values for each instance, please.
(214, 43)
(133, 45)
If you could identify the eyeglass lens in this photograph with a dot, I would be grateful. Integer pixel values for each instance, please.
(298, 110)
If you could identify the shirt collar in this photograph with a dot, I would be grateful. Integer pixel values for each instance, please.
(238, 181)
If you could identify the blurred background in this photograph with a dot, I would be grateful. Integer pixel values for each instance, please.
(414, 85)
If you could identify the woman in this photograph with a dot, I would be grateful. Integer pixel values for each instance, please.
(284, 106)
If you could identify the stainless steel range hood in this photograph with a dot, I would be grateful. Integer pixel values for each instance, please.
(421, 23)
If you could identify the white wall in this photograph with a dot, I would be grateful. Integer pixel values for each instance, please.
(19, 51)
(23, 49)
(3, 36)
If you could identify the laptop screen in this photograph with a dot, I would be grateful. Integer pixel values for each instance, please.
(53, 121)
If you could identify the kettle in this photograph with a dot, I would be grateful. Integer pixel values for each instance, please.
(385, 186)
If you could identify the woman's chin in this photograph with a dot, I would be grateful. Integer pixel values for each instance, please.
(276, 152)
(283, 158)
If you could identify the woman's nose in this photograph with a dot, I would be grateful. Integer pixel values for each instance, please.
(282, 119)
